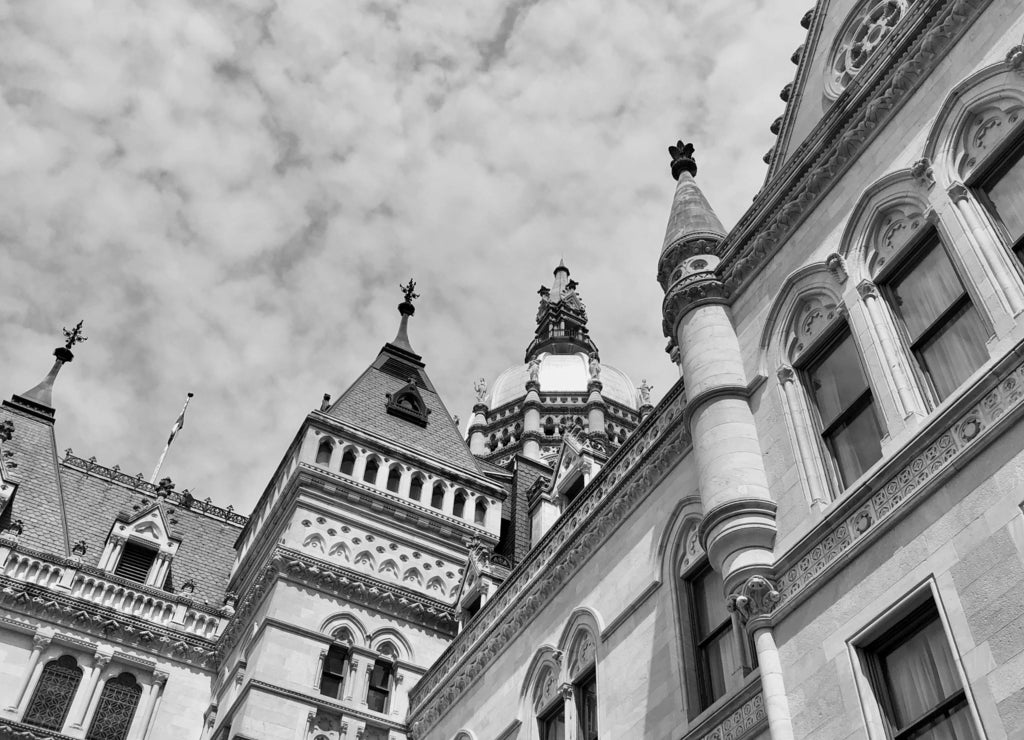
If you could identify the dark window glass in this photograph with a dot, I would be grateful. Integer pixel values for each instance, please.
(323, 452)
(135, 562)
(586, 707)
(459, 508)
(372, 467)
(840, 391)
(416, 488)
(480, 516)
(348, 462)
(719, 669)
(116, 708)
(380, 686)
(394, 478)
(552, 724)
(437, 497)
(51, 701)
(916, 682)
(1004, 191)
(946, 333)
(332, 677)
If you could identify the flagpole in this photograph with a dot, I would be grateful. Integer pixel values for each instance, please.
(178, 424)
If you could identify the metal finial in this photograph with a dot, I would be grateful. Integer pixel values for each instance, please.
(74, 336)
(682, 159)
(409, 291)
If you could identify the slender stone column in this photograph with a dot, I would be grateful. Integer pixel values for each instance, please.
(805, 443)
(595, 410)
(39, 644)
(477, 443)
(531, 420)
(89, 694)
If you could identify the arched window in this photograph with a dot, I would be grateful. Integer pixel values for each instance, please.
(116, 709)
(437, 497)
(323, 452)
(348, 461)
(480, 515)
(715, 645)
(378, 691)
(394, 479)
(335, 668)
(583, 674)
(459, 509)
(999, 189)
(54, 692)
(416, 488)
(549, 706)
(372, 468)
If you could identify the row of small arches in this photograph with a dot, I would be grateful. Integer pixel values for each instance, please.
(365, 557)
(419, 487)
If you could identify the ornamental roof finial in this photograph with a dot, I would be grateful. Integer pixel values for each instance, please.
(682, 159)
(38, 400)
(74, 336)
(406, 309)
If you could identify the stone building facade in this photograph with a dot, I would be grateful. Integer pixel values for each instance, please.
(816, 533)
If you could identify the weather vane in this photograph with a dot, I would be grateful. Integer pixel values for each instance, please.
(74, 336)
(410, 291)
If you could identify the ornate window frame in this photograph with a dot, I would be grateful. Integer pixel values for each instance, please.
(543, 691)
(148, 528)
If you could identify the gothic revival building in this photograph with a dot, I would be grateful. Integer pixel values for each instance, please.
(816, 533)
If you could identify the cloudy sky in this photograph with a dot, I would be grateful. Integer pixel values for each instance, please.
(230, 192)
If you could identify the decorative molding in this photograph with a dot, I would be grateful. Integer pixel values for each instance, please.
(620, 486)
(743, 722)
(1015, 58)
(867, 289)
(694, 290)
(922, 172)
(10, 730)
(836, 264)
(952, 440)
(835, 143)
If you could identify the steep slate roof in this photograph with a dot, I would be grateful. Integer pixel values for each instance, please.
(363, 405)
(32, 465)
(205, 554)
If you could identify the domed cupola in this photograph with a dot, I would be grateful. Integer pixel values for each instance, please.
(562, 385)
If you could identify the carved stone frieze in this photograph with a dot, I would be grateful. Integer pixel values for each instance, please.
(741, 723)
(837, 141)
(629, 476)
(678, 252)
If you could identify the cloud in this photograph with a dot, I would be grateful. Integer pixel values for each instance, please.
(230, 192)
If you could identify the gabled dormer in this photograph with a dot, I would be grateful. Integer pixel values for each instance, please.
(407, 403)
(141, 547)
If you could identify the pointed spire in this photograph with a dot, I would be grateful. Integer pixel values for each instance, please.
(38, 399)
(692, 219)
(406, 309)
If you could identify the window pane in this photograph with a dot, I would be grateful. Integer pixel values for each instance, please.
(921, 673)
(588, 709)
(1007, 196)
(856, 443)
(552, 727)
(52, 698)
(837, 380)
(116, 709)
(956, 351)
(335, 661)
(330, 686)
(709, 602)
(721, 664)
(930, 288)
(953, 725)
(377, 700)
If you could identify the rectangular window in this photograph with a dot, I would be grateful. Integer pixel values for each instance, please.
(332, 677)
(586, 707)
(375, 733)
(1003, 193)
(135, 562)
(552, 724)
(380, 686)
(915, 680)
(719, 667)
(839, 389)
(945, 330)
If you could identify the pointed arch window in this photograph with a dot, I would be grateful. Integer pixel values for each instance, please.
(942, 326)
(718, 660)
(372, 469)
(378, 692)
(348, 461)
(459, 509)
(480, 512)
(54, 692)
(335, 667)
(416, 488)
(437, 497)
(116, 709)
(323, 452)
(394, 479)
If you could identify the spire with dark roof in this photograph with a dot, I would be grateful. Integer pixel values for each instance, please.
(406, 309)
(693, 227)
(38, 400)
(561, 319)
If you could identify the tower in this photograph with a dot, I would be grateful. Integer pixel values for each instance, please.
(356, 553)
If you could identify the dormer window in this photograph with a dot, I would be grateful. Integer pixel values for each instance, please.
(408, 404)
(135, 562)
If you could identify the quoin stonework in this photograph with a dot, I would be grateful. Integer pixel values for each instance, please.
(816, 533)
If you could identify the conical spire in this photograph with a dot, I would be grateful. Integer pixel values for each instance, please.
(692, 219)
(406, 309)
(38, 399)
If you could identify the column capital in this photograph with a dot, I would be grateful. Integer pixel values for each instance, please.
(786, 374)
(958, 191)
(756, 599)
(101, 660)
(867, 289)
(41, 641)
(566, 691)
(160, 678)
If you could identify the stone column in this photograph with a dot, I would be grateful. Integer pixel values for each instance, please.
(353, 678)
(531, 420)
(39, 644)
(809, 456)
(145, 714)
(569, 707)
(477, 442)
(994, 255)
(89, 694)
(595, 410)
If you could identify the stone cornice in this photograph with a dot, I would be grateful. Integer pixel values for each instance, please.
(837, 141)
(949, 441)
(631, 474)
(688, 293)
(105, 623)
(11, 730)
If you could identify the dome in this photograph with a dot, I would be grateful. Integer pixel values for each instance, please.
(569, 373)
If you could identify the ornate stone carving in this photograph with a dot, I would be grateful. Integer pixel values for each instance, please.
(864, 31)
(480, 388)
(692, 550)
(594, 366)
(836, 264)
(786, 374)
(988, 126)
(690, 292)
(922, 172)
(583, 652)
(644, 391)
(741, 722)
(867, 289)
(1015, 58)
(813, 316)
(757, 597)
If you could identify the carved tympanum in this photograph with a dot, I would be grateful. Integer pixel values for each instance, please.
(865, 30)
